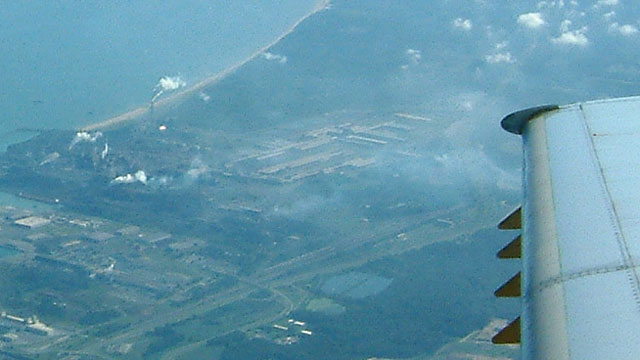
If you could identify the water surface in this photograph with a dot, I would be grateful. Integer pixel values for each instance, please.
(67, 63)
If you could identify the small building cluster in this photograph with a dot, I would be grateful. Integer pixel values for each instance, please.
(16, 325)
(291, 331)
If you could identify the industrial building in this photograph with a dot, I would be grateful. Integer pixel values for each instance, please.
(32, 222)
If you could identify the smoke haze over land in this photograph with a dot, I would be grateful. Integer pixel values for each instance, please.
(337, 170)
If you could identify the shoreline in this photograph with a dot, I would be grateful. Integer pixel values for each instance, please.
(142, 110)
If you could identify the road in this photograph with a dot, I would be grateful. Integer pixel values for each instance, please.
(340, 257)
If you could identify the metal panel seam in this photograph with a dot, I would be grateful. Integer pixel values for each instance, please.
(545, 226)
(541, 286)
(628, 262)
(559, 251)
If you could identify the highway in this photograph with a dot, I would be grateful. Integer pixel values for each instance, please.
(340, 257)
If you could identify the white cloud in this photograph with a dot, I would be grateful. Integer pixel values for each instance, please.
(275, 57)
(531, 20)
(571, 37)
(414, 58)
(414, 55)
(609, 15)
(464, 24)
(575, 37)
(607, 3)
(551, 4)
(564, 25)
(500, 58)
(626, 30)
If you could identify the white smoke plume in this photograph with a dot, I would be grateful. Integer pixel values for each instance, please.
(160, 181)
(105, 151)
(50, 158)
(204, 96)
(275, 57)
(167, 83)
(83, 136)
(197, 170)
(128, 179)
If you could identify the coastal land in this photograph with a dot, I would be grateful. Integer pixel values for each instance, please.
(310, 209)
(194, 89)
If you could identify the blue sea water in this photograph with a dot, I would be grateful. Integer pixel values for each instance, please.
(33, 206)
(66, 63)
(12, 136)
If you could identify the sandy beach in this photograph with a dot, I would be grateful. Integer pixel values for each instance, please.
(173, 98)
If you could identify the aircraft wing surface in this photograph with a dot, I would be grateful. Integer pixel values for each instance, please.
(580, 220)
